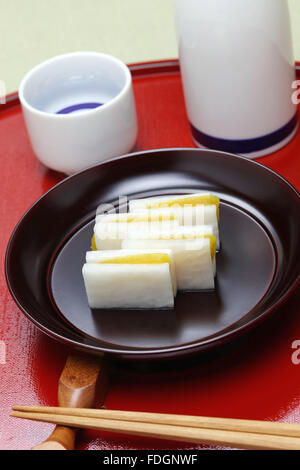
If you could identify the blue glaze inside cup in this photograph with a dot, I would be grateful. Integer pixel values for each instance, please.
(79, 107)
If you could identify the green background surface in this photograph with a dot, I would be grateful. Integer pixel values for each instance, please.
(133, 30)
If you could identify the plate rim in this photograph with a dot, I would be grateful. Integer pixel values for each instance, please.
(128, 353)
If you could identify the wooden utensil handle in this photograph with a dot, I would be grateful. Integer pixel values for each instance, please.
(62, 438)
(80, 380)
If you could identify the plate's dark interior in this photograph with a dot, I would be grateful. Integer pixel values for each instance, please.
(257, 267)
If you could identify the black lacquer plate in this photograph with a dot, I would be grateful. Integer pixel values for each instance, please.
(257, 268)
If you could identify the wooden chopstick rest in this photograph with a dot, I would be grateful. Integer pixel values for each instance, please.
(81, 379)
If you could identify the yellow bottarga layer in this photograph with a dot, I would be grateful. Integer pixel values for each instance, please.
(212, 239)
(93, 244)
(141, 218)
(143, 258)
(205, 199)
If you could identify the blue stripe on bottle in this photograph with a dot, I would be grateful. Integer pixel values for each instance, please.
(245, 146)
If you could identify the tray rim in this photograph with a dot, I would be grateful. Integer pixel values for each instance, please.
(209, 343)
(138, 69)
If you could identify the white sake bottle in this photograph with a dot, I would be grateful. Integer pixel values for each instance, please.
(237, 67)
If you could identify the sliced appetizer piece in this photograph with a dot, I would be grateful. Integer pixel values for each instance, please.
(135, 256)
(122, 283)
(175, 201)
(136, 217)
(187, 215)
(190, 209)
(195, 260)
(109, 236)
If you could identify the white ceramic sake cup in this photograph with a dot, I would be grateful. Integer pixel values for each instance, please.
(79, 110)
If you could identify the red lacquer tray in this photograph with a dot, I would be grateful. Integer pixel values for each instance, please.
(255, 379)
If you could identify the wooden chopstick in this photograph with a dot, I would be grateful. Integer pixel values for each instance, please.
(191, 429)
(227, 424)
